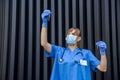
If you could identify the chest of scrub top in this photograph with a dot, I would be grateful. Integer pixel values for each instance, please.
(72, 57)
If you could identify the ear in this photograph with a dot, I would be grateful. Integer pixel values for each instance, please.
(78, 39)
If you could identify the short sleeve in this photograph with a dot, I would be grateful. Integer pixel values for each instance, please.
(54, 49)
(94, 62)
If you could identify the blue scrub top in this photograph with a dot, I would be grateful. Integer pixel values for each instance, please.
(74, 66)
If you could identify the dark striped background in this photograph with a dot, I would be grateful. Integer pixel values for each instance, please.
(22, 57)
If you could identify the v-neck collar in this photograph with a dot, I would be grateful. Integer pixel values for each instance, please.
(74, 52)
(71, 50)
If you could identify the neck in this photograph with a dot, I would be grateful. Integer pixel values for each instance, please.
(72, 47)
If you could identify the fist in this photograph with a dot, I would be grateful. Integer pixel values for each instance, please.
(102, 47)
(45, 17)
(46, 14)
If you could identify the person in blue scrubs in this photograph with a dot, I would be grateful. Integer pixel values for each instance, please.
(72, 62)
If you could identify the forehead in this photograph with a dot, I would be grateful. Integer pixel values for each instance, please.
(72, 31)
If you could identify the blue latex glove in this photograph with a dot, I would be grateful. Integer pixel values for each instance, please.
(102, 47)
(45, 17)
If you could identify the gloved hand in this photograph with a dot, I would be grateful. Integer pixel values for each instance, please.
(102, 47)
(45, 17)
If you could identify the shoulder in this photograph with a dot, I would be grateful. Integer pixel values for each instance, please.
(87, 52)
(58, 48)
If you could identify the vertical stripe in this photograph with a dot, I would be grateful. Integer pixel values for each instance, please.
(114, 47)
(89, 24)
(21, 41)
(4, 55)
(74, 17)
(81, 17)
(60, 22)
(118, 37)
(12, 41)
(37, 46)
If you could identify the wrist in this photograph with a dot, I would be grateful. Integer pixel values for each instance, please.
(102, 52)
(44, 24)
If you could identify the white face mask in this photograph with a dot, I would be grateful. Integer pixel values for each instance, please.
(71, 39)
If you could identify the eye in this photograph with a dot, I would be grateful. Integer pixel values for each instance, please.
(73, 33)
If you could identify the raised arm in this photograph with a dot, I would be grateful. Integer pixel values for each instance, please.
(44, 43)
(103, 62)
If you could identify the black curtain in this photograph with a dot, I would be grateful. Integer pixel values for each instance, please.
(22, 57)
